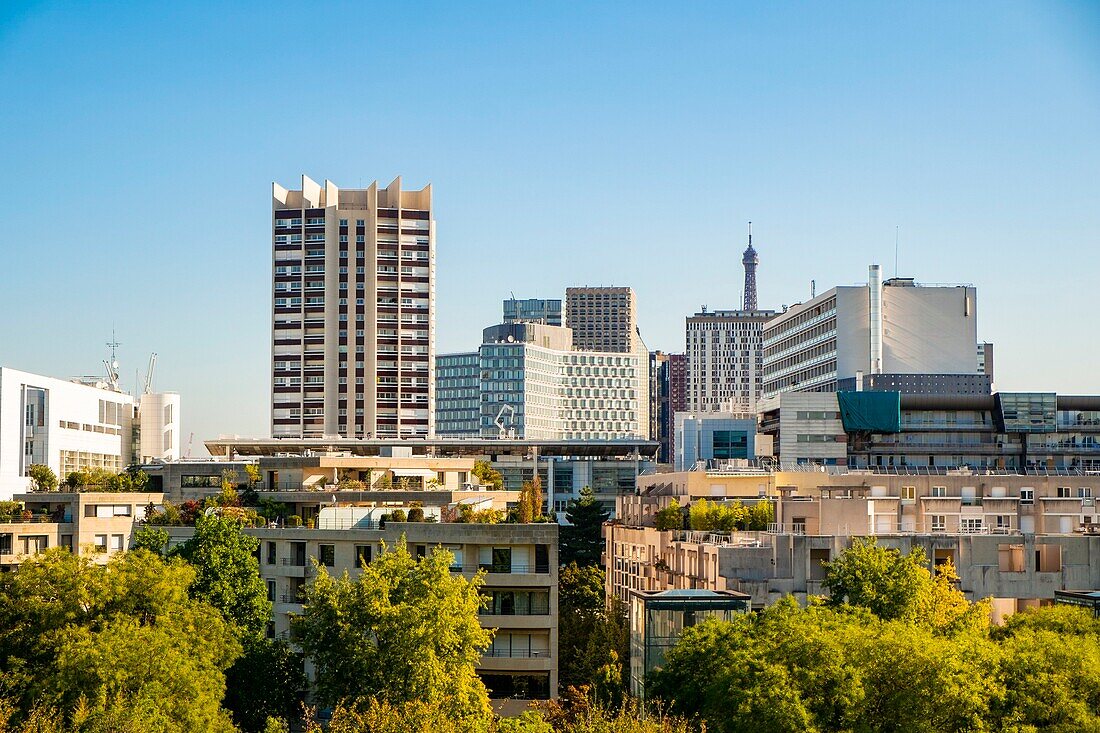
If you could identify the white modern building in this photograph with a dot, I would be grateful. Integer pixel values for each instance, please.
(892, 328)
(353, 311)
(70, 426)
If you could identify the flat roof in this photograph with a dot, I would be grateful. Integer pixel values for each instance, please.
(436, 447)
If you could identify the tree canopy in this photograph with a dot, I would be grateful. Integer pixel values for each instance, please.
(484, 471)
(227, 573)
(593, 638)
(671, 517)
(120, 647)
(405, 630)
(582, 539)
(898, 648)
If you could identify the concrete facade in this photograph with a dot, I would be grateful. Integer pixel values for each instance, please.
(94, 524)
(724, 360)
(1013, 537)
(896, 327)
(353, 311)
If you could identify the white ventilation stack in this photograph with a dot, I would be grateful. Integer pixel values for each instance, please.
(874, 288)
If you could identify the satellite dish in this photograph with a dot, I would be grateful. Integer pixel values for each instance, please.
(511, 338)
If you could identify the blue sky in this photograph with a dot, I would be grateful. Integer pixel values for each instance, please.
(620, 144)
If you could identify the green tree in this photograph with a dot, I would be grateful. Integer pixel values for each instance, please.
(227, 573)
(710, 516)
(253, 474)
(42, 477)
(582, 537)
(488, 475)
(406, 630)
(266, 683)
(878, 578)
(593, 637)
(121, 647)
(671, 517)
(416, 514)
(530, 501)
(151, 538)
(759, 516)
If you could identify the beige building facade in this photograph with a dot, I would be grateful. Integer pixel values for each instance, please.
(1016, 538)
(353, 311)
(94, 524)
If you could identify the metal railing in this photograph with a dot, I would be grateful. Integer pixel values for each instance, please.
(35, 519)
(516, 654)
(508, 568)
(534, 610)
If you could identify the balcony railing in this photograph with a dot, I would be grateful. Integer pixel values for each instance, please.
(516, 654)
(505, 568)
(542, 609)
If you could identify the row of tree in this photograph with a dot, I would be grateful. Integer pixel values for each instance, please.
(713, 516)
(95, 479)
(894, 648)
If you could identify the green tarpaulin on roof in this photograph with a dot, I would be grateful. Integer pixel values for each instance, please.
(871, 412)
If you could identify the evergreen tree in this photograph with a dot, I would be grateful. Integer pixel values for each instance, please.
(581, 539)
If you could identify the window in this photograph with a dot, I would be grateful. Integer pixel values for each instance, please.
(326, 555)
(271, 590)
(939, 523)
(1063, 492)
(970, 525)
(1084, 492)
(939, 491)
(100, 543)
(502, 560)
(271, 553)
(1027, 496)
(909, 492)
(362, 555)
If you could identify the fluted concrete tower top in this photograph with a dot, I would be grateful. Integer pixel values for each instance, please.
(750, 261)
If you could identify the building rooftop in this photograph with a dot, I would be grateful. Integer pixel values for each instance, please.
(436, 447)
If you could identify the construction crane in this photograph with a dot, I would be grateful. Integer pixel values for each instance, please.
(149, 374)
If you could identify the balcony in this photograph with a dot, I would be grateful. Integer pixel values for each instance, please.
(538, 568)
(516, 654)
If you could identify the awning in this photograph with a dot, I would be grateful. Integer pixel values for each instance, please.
(421, 472)
(313, 479)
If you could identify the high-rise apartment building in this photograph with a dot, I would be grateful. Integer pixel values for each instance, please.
(532, 310)
(724, 360)
(603, 319)
(353, 312)
(905, 336)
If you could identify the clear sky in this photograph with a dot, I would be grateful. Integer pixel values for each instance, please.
(624, 144)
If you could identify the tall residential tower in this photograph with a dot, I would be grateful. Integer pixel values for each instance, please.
(353, 312)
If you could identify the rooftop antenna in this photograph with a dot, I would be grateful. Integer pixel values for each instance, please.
(813, 289)
(897, 229)
(112, 365)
